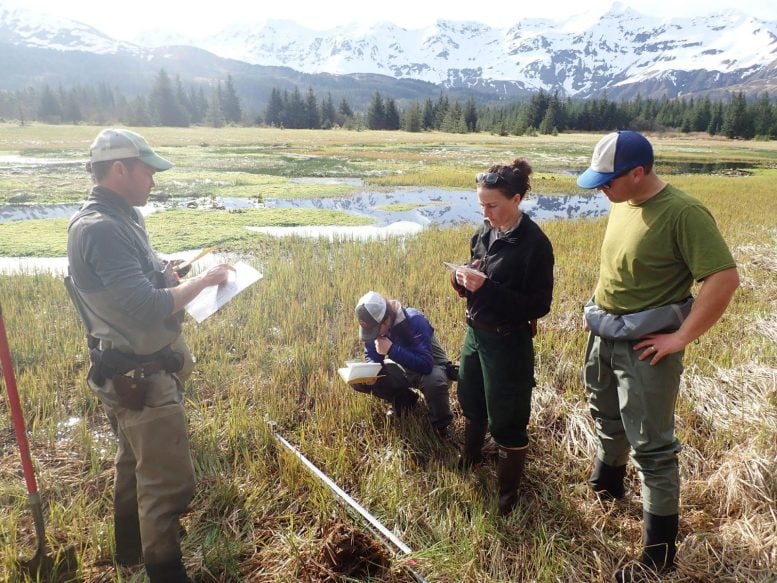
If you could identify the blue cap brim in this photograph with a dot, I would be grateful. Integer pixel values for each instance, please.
(593, 179)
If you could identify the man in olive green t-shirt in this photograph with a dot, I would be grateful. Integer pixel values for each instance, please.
(658, 242)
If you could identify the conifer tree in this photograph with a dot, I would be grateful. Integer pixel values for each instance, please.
(71, 111)
(453, 122)
(198, 105)
(273, 113)
(551, 121)
(49, 108)
(440, 111)
(344, 108)
(215, 116)
(295, 110)
(412, 118)
(763, 117)
(105, 100)
(427, 115)
(328, 113)
(701, 114)
(716, 119)
(736, 122)
(163, 104)
(376, 113)
(230, 103)
(312, 119)
(391, 120)
(471, 115)
(138, 114)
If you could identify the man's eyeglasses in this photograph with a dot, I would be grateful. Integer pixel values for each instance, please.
(607, 185)
(488, 178)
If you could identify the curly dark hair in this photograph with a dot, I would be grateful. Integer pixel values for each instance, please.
(515, 177)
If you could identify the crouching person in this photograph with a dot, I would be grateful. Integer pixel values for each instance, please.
(406, 337)
(131, 303)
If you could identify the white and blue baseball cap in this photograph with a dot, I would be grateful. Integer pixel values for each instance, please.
(614, 155)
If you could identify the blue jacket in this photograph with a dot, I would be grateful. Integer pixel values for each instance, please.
(411, 343)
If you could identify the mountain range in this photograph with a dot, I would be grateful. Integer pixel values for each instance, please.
(620, 53)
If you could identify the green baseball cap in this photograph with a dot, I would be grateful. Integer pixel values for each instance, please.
(119, 144)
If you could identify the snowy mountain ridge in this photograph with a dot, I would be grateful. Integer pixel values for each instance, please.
(620, 51)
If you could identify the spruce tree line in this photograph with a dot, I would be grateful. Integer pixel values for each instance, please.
(735, 117)
(170, 103)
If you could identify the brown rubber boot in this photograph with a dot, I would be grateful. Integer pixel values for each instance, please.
(509, 470)
(474, 436)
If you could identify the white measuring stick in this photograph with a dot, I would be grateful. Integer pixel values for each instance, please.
(340, 492)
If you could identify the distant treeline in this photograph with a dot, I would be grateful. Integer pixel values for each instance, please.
(170, 103)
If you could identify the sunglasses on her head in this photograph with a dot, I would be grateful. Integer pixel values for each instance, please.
(489, 178)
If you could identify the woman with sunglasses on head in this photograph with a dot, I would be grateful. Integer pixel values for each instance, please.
(508, 285)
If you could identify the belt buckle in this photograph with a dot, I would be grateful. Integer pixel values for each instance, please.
(149, 368)
(503, 330)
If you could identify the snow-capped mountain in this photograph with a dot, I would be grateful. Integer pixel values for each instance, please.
(579, 55)
(19, 26)
(620, 52)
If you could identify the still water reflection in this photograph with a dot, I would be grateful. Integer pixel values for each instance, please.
(447, 207)
(424, 206)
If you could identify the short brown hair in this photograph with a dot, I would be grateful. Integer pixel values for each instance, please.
(99, 170)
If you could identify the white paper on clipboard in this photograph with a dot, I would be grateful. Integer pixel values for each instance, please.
(212, 298)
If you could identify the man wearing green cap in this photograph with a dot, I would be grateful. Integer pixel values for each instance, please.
(131, 303)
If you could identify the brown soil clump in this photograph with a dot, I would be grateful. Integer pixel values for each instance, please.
(346, 552)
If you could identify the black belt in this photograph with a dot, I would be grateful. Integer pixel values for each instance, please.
(504, 329)
(149, 368)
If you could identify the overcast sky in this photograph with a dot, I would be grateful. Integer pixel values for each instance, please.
(124, 20)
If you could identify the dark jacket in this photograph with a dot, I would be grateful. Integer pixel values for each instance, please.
(413, 345)
(519, 267)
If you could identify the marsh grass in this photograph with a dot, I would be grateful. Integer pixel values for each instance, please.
(272, 354)
(174, 230)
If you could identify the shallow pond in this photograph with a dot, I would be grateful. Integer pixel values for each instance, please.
(446, 207)
(424, 206)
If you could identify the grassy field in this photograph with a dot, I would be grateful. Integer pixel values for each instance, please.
(272, 355)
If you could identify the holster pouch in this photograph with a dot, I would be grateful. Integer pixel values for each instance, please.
(131, 391)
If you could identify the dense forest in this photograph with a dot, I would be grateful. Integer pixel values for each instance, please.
(170, 103)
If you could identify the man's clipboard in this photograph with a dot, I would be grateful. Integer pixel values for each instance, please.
(212, 298)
